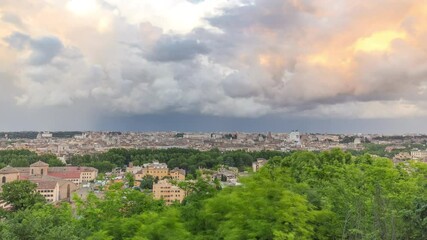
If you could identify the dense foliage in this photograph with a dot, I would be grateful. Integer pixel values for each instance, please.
(19, 135)
(188, 159)
(21, 194)
(381, 149)
(33, 135)
(23, 158)
(328, 195)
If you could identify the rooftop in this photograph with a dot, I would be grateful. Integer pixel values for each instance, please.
(8, 169)
(39, 164)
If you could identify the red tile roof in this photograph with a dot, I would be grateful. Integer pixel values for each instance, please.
(65, 175)
(72, 168)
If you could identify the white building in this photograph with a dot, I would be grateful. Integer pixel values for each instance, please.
(295, 137)
(357, 141)
(44, 135)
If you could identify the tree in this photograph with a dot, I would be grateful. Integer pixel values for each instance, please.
(130, 179)
(147, 182)
(42, 222)
(21, 194)
(307, 195)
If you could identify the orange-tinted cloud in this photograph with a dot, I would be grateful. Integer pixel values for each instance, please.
(237, 59)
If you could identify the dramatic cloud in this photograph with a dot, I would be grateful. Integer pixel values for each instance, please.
(173, 49)
(294, 58)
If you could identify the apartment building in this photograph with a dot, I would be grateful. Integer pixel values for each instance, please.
(177, 174)
(168, 192)
(161, 171)
(418, 154)
(155, 169)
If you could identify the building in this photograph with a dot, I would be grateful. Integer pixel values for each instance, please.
(9, 174)
(225, 175)
(260, 162)
(168, 192)
(155, 169)
(295, 137)
(177, 174)
(402, 156)
(392, 148)
(133, 169)
(357, 141)
(54, 183)
(52, 188)
(77, 175)
(44, 135)
(160, 171)
(418, 154)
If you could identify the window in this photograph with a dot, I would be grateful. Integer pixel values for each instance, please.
(41, 171)
(3, 179)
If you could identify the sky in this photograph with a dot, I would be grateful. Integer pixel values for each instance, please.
(214, 65)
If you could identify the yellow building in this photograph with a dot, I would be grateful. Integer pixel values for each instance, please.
(159, 170)
(155, 169)
(177, 174)
(168, 192)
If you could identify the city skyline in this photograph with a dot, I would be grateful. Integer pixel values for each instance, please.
(213, 65)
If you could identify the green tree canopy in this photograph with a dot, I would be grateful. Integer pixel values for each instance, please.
(21, 194)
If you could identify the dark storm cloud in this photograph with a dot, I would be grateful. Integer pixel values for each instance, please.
(44, 50)
(273, 14)
(274, 123)
(175, 48)
(245, 60)
(18, 40)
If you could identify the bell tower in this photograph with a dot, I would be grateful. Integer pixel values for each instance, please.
(39, 168)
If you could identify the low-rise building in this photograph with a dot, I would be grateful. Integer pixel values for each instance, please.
(170, 193)
(155, 169)
(77, 175)
(54, 183)
(8, 174)
(48, 188)
(177, 174)
(226, 175)
(260, 162)
(133, 169)
(418, 154)
(402, 156)
(160, 171)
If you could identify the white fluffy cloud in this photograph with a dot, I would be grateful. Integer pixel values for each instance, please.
(218, 57)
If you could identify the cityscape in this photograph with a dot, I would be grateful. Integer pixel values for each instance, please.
(66, 144)
(118, 171)
(213, 120)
